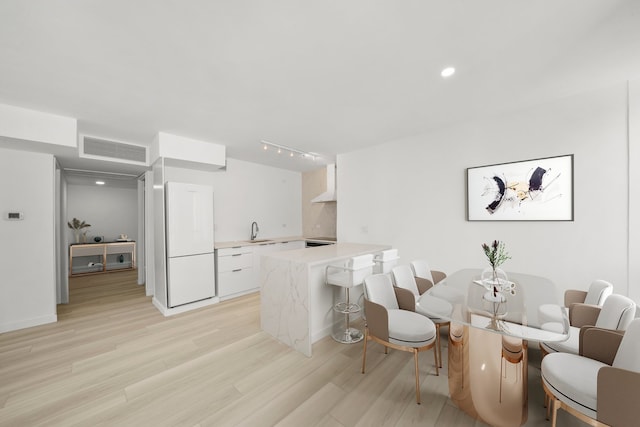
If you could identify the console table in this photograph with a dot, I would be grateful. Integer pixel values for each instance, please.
(91, 258)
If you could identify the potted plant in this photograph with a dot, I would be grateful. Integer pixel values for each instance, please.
(497, 255)
(77, 226)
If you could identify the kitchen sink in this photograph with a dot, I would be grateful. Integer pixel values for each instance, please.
(258, 241)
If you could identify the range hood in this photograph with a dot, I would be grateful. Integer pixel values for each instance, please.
(330, 194)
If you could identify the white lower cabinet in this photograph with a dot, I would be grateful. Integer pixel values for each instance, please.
(235, 271)
(239, 267)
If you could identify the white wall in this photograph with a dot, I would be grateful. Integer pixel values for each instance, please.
(411, 193)
(318, 219)
(149, 234)
(61, 253)
(110, 211)
(187, 152)
(247, 192)
(634, 190)
(157, 251)
(34, 127)
(27, 252)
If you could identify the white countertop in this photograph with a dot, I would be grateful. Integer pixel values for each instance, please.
(328, 253)
(238, 243)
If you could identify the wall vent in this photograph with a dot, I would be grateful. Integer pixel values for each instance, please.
(123, 152)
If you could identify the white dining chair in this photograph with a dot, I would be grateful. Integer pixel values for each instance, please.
(597, 294)
(601, 384)
(616, 313)
(438, 312)
(392, 323)
(421, 270)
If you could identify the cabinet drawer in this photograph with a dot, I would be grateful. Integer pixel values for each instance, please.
(235, 261)
(234, 250)
(232, 282)
(86, 250)
(119, 248)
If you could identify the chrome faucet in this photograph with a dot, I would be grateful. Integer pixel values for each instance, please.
(254, 230)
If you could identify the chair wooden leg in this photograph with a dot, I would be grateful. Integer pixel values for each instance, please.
(548, 401)
(554, 403)
(435, 358)
(415, 359)
(439, 345)
(547, 404)
(364, 352)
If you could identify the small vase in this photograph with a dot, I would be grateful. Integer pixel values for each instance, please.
(494, 296)
(76, 234)
(493, 277)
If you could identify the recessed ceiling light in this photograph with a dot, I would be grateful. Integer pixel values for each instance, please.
(100, 182)
(448, 72)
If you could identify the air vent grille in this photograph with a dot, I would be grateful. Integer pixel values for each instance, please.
(114, 150)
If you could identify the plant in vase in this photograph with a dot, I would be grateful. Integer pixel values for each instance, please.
(77, 226)
(497, 255)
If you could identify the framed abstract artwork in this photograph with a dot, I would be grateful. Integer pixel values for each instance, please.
(528, 190)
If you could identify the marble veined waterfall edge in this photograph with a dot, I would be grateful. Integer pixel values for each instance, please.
(284, 302)
(296, 305)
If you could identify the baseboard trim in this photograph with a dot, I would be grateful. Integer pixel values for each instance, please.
(183, 308)
(28, 323)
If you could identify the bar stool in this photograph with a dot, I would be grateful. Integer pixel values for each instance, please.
(348, 276)
(385, 261)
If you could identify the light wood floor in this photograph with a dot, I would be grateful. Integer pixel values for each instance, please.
(113, 359)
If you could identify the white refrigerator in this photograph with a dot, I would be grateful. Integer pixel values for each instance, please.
(190, 240)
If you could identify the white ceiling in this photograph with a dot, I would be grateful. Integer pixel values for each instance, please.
(327, 76)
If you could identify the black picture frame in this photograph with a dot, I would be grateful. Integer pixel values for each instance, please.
(527, 190)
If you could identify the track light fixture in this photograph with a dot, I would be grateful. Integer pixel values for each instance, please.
(266, 145)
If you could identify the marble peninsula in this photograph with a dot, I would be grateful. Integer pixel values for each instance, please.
(296, 305)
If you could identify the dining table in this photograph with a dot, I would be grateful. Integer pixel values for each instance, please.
(492, 322)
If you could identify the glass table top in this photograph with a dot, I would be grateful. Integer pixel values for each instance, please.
(466, 299)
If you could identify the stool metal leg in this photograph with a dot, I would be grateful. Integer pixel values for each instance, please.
(348, 335)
